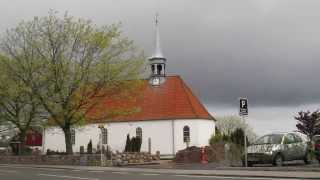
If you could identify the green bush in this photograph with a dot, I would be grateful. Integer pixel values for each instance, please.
(218, 138)
(89, 147)
(237, 137)
(133, 144)
(128, 144)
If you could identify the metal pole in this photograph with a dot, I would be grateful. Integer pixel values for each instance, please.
(101, 148)
(173, 143)
(245, 142)
(43, 138)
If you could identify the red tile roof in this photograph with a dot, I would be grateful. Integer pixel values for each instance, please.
(171, 100)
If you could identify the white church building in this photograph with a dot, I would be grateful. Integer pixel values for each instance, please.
(170, 117)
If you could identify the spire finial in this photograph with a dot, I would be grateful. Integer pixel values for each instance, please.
(157, 15)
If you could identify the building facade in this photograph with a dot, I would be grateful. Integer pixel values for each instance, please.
(170, 117)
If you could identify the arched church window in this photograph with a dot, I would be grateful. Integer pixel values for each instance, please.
(104, 136)
(159, 68)
(152, 69)
(139, 132)
(186, 134)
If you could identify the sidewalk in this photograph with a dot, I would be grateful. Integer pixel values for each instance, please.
(295, 166)
(215, 172)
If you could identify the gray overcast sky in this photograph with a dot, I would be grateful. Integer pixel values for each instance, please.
(266, 50)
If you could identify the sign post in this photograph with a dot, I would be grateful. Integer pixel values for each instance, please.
(101, 127)
(243, 111)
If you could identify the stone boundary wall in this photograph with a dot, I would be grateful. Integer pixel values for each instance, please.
(128, 158)
(83, 159)
(215, 153)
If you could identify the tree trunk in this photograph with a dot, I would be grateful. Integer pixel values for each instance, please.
(22, 145)
(67, 136)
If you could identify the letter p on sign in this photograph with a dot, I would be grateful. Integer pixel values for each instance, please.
(243, 109)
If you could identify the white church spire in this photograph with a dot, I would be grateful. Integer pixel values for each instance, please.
(157, 52)
(157, 61)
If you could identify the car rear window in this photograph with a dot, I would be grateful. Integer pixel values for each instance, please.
(270, 139)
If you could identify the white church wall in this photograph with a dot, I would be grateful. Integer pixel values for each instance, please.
(160, 133)
(200, 132)
(206, 129)
(54, 139)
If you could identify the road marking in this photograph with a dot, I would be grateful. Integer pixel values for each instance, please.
(149, 174)
(8, 171)
(76, 170)
(35, 168)
(46, 169)
(96, 171)
(229, 177)
(119, 172)
(67, 177)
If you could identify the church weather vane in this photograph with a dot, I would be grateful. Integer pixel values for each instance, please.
(157, 15)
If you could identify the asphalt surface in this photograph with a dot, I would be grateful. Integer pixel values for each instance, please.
(30, 173)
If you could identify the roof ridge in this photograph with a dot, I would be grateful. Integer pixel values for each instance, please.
(167, 76)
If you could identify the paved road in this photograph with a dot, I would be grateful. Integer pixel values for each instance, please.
(29, 173)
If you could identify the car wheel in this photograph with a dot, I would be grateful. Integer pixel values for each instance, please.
(307, 159)
(278, 160)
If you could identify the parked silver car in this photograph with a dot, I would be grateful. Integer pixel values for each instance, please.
(277, 148)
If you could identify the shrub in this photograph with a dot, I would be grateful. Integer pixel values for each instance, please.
(237, 137)
(128, 145)
(89, 147)
(139, 143)
(218, 138)
(133, 144)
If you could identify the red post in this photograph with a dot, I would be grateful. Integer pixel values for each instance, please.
(203, 156)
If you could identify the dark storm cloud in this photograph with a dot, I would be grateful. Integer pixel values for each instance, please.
(266, 50)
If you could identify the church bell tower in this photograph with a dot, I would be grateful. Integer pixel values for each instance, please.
(157, 61)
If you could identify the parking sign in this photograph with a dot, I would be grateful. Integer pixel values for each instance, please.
(243, 109)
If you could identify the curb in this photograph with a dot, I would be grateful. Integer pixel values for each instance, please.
(219, 173)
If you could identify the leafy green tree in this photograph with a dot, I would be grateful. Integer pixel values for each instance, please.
(228, 124)
(308, 123)
(19, 108)
(72, 65)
